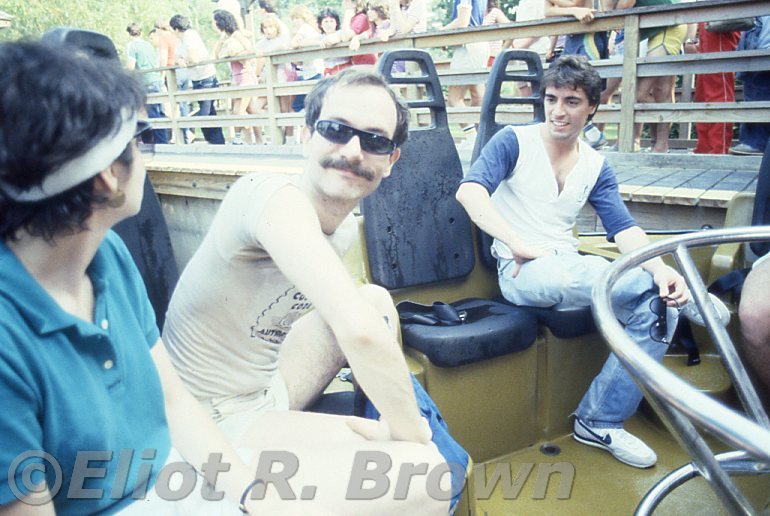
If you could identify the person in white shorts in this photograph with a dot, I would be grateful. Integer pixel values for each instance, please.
(265, 313)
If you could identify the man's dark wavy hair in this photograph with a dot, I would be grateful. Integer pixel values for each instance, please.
(572, 71)
(55, 104)
(356, 76)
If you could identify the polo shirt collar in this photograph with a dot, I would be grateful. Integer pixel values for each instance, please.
(22, 290)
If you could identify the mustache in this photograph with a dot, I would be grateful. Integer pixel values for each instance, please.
(344, 164)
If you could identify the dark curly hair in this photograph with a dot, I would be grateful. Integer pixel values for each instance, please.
(225, 21)
(356, 76)
(574, 71)
(327, 12)
(55, 104)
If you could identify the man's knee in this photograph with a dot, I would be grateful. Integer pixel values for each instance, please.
(755, 323)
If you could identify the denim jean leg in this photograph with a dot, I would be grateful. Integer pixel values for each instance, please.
(156, 111)
(756, 86)
(212, 135)
(563, 280)
(613, 396)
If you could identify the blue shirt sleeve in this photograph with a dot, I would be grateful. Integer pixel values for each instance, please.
(605, 198)
(496, 162)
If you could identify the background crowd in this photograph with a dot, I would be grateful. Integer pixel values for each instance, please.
(358, 21)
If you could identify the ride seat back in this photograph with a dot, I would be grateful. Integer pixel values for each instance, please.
(145, 234)
(416, 232)
(481, 371)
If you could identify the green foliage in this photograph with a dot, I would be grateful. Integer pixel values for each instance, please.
(33, 17)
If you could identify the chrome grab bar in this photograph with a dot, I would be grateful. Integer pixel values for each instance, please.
(680, 404)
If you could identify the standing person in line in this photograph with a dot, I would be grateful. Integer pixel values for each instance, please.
(165, 41)
(355, 19)
(753, 137)
(140, 55)
(233, 7)
(409, 16)
(593, 45)
(191, 50)
(231, 43)
(526, 190)
(661, 41)
(495, 16)
(287, 73)
(468, 57)
(713, 138)
(306, 34)
(378, 12)
(273, 39)
(330, 25)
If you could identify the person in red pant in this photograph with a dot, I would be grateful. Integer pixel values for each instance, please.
(714, 138)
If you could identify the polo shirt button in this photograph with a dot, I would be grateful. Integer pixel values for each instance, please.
(108, 364)
(105, 324)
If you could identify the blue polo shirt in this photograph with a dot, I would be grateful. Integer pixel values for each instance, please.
(78, 390)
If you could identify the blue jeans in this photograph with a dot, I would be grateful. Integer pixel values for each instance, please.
(566, 280)
(156, 111)
(756, 86)
(212, 134)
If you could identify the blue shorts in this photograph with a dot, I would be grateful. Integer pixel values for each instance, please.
(593, 45)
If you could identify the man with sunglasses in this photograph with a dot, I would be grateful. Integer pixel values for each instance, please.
(526, 189)
(265, 313)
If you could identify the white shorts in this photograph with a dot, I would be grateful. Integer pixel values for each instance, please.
(236, 415)
(471, 56)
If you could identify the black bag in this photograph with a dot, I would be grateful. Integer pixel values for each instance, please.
(466, 331)
(737, 25)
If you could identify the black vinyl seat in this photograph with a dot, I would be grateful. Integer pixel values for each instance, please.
(418, 234)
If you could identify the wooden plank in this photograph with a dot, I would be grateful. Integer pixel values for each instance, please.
(716, 198)
(630, 55)
(651, 194)
(683, 196)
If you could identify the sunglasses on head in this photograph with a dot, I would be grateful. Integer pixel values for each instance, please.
(337, 132)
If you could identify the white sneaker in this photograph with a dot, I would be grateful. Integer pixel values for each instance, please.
(624, 446)
(690, 310)
(237, 141)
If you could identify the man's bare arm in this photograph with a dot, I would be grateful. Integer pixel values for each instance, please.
(290, 232)
(582, 14)
(462, 20)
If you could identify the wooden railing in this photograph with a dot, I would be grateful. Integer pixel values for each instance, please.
(630, 70)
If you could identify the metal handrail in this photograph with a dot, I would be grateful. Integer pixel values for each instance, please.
(681, 405)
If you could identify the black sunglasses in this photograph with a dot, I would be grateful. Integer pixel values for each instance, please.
(337, 132)
(659, 329)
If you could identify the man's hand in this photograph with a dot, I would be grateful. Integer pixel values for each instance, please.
(583, 14)
(671, 286)
(522, 252)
